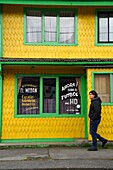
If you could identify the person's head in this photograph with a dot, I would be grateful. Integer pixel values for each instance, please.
(93, 94)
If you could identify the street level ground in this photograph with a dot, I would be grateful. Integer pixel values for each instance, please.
(55, 157)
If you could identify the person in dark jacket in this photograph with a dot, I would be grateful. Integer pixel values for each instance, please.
(95, 118)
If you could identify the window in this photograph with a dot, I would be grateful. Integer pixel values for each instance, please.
(69, 95)
(103, 84)
(48, 95)
(105, 27)
(53, 26)
(33, 26)
(28, 95)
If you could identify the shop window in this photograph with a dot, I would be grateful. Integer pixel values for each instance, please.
(50, 26)
(102, 86)
(28, 95)
(69, 95)
(48, 95)
(105, 27)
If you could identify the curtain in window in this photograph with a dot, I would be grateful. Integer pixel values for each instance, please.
(103, 27)
(34, 26)
(50, 27)
(102, 86)
(67, 22)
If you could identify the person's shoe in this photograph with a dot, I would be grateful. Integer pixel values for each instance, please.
(103, 143)
(92, 149)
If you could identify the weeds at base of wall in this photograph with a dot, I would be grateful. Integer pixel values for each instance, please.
(83, 145)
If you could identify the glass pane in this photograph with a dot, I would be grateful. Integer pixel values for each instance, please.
(103, 37)
(111, 37)
(50, 27)
(102, 86)
(28, 95)
(69, 95)
(111, 27)
(67, 24)
(34, 26)
(49, 95)
(103, 27)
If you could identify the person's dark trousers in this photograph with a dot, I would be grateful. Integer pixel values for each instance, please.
(93, 129)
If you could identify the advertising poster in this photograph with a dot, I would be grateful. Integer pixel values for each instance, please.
(69, 96)
(28, 95)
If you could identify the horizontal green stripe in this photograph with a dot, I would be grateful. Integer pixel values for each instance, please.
(37, 140)
(57, 63)
(60, 2)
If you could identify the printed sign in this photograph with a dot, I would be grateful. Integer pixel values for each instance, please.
(28, 97)
(69, 96)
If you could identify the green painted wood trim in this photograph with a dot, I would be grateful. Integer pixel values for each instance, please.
(57, 96)
(57, 43)
(1, 31)
(93, 80)
(0, 105)
(88, 63)
(15, 95)
(37, 140)
(60, 2)
(45, 115)
(110, 73)
(111, 88)
(41, 89)
(96, 27)
(41, 96)
(84, 104)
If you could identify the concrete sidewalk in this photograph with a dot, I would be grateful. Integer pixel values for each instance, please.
(53, 158)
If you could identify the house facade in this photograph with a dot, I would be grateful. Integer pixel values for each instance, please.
(52, 53)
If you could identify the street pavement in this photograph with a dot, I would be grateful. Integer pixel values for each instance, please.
(56, 158)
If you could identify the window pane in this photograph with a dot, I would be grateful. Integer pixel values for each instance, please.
(102, 86)
(49, 95)
(50, 27)
(103, 27)
(69, 95)
(28, 95)
(67, 22)
(111, 27)
(33, 26)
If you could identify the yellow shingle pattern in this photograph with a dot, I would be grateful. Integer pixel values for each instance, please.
(19, 128)
(14, 47)
(106, 126)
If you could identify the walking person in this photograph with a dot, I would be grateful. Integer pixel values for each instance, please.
(95, 118)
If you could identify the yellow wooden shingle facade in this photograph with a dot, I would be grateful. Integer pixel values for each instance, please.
(52, 127)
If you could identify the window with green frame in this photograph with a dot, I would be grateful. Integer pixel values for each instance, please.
(48, 95)
(50, 26)
(103, 84)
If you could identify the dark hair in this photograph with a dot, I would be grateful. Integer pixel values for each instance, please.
(94, 93)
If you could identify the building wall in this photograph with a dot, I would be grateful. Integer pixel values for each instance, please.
(14, 47)
(106, 125)
(13, 37)
(32, 128)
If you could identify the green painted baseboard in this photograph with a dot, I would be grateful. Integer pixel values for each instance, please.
(37, 140)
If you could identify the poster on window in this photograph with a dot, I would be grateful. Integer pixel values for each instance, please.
(28, 95)
(69, 95)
